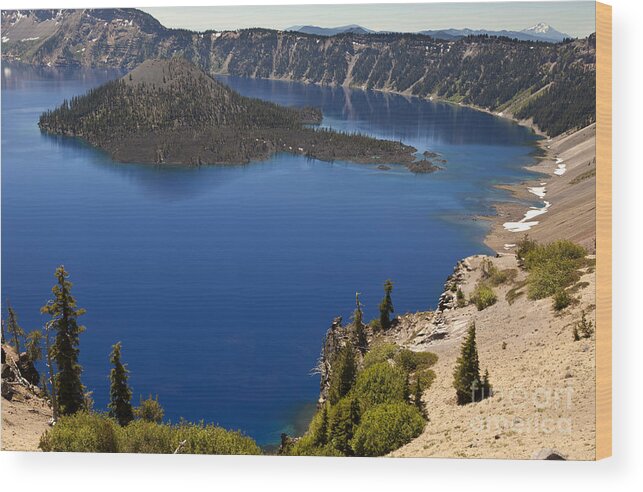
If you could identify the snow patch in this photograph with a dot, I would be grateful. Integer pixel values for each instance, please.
(526, 223)
(539, 191)
(560, 170)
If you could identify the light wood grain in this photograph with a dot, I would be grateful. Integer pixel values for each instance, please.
(603, 230)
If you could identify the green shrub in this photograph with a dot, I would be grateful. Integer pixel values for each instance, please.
(410, 361)
(553, 267)
(426, 378)
(380, 352)
(211, 439)
(557, 251)
(583, 328)
(562, 299)
(375, 325)
(150, 410)
(381, 383)
(502, 276)
(306, 447)
(141, 436)
(386, 427)
(494, 276)
(92, 432)
(83, 433)
(483, 296)
(461, 301)
(525, 245)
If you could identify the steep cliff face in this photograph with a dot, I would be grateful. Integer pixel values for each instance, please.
(497, 74)
(100, 37)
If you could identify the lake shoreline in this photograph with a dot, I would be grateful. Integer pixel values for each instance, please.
(564, 186)
(504, 211)
(220, 203)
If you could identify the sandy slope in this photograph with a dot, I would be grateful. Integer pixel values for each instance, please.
(543, 380)
(572, 214)
(24, 419)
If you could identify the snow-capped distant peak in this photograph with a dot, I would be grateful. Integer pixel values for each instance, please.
(541, 27)
(545, 32)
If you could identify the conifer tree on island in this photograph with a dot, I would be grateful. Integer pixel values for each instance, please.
(386, 306)
(14, 328)
(466, 377)
(64, 313)
(120, 406)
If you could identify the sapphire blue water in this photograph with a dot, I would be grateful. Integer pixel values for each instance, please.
(221, 281)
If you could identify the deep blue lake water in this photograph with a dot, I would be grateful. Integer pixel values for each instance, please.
(221, 281)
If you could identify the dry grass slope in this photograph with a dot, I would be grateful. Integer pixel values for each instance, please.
(543, 380)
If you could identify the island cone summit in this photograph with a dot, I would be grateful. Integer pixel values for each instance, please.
(170, 111)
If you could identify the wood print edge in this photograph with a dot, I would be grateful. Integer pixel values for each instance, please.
(603, 231)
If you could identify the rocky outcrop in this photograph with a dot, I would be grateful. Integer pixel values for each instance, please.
(27, 369)
(26, 414)
(17, 370)
(334, 340)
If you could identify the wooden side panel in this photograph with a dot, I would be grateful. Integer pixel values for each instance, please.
(603, 230)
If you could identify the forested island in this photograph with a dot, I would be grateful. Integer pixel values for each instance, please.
(171, 112)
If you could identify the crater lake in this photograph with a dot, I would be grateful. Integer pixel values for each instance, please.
(221, 281)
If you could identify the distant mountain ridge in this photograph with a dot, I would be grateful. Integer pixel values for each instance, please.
(539, 32)
(330, 31)
(550, 85)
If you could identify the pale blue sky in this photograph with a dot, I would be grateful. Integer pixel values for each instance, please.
(576, 18)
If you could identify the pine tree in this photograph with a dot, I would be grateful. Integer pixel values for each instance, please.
(343, 372)
(358, 326)
(64, 312)
(345, 418)
(466, 377)
(14, 328)
(120, 394)
(320, 437)
(34, 346)
(50, 368)
(386, 306)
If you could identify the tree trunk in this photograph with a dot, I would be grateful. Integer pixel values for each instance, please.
(50, 367)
